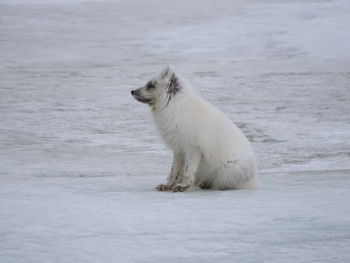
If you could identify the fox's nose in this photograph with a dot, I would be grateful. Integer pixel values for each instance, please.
(132, 92)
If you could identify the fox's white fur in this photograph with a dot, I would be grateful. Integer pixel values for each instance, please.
(209, 149)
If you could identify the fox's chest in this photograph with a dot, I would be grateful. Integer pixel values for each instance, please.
(175, 133)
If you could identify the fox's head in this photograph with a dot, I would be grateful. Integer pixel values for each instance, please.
(159, 91)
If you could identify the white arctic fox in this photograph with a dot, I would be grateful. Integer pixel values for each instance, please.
(209, 150)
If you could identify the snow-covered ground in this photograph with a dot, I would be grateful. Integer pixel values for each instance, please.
(79, 158)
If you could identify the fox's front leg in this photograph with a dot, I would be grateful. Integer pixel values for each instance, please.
(188, 172)
(175, 173)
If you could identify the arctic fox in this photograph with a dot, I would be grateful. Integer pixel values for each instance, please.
(209, 150)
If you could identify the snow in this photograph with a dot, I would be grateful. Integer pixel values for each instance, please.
(79, 157)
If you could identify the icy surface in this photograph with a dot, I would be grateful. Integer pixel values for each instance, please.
(79, 158)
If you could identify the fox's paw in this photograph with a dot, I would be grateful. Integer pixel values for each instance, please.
(163, 187)
(179, 188)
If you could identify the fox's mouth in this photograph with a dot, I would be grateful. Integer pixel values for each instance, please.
(143, 100)
(139, 98)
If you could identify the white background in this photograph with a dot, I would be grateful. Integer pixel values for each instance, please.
(79, 157)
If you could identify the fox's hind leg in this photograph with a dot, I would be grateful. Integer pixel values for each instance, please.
(204, 185)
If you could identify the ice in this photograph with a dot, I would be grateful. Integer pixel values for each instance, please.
(79, 157)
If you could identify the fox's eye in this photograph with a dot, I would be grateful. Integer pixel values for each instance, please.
(150, 86)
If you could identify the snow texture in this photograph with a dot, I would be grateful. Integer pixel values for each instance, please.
(79, 157)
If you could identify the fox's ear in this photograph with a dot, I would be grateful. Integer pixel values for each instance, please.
(167, 72)
(174, 85)
(170, 77)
